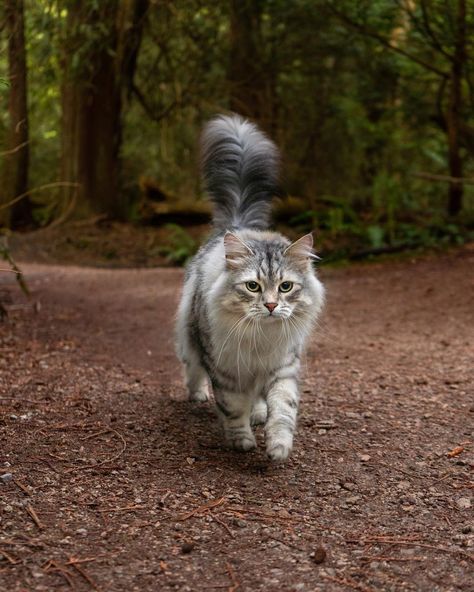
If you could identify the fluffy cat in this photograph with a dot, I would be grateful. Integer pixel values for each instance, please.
(250, 296)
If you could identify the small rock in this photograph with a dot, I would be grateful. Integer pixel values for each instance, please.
(82, 531)
(353, 499)
(349, 486)
(318, 555)
(364, 457)
(466, 529)
(404, 485)
(187, 548)
(374, 564)
(463, 503)
(6, 478)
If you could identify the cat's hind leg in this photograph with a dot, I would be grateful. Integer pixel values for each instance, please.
(234, 412)
(196, 378)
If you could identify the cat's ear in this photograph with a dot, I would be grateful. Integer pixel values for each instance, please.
(302, 249)
(236, 251)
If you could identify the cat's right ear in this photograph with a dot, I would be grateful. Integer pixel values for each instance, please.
(236, 251)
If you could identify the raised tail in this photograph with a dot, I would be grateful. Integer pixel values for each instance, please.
(240, 170)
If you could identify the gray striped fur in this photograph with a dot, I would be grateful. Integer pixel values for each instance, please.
(240, 170)
(226, 337)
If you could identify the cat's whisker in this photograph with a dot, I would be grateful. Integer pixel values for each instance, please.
(242, 334)
(255, 327)
(228, 336)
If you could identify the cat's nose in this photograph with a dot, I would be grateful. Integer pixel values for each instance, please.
(270, 305)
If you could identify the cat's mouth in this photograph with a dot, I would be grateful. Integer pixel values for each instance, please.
(271, 316)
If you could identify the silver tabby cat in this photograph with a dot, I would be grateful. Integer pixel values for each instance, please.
(250, 296)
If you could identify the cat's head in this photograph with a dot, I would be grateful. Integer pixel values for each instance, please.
(270, 278)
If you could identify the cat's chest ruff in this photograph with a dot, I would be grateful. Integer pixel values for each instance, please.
(255, 351)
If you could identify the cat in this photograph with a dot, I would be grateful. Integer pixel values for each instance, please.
(250, 297)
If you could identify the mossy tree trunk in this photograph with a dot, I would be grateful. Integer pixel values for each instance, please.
(454, 115)
(251, 76)
(98, 69)
(14, 178)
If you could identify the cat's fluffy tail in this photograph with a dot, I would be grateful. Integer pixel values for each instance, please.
(240, 169)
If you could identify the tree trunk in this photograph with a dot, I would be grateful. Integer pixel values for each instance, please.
(92, 98)
(454, 113)
(16, 160)
(247, 75)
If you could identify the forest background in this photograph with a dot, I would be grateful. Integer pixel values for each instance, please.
(371, 103)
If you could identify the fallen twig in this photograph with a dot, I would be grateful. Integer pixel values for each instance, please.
(48, 462)
(80, 570)
(164, 498)
(235, 582)
(21, 486)
(34, 516)
(107, 460)
(73, 560)
(124, 509)
(107, 431)
(9, 557)
(53, 566)
(412, 543)
(203, 509)
(222, 523)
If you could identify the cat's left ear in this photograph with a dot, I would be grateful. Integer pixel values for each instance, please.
(302, 249)
(236, 251)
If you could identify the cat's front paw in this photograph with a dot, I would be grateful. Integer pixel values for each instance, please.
(199, 396)
(259, 413)
(278, 452)
(243, 443)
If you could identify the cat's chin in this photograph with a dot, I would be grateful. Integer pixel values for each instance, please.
(272, 318)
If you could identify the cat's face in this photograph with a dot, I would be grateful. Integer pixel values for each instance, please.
(269, 279)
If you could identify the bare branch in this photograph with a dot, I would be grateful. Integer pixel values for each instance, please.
(444, 178)
(13, 150)
(36, 189)
(152, 114)
(426, 21)
(385, 42)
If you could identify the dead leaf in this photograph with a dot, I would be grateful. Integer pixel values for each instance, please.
(455, 451)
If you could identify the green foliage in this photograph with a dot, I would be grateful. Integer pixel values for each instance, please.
(356, 101)
(181, 245)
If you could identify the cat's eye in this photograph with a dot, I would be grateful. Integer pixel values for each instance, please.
(285, 286)
(252, 286)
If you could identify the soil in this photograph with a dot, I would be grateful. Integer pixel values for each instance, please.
(101, 242)
(110, 480)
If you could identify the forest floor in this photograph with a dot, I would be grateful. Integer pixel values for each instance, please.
(110, 480)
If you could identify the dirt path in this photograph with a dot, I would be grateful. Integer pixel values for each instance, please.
(120, 485)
